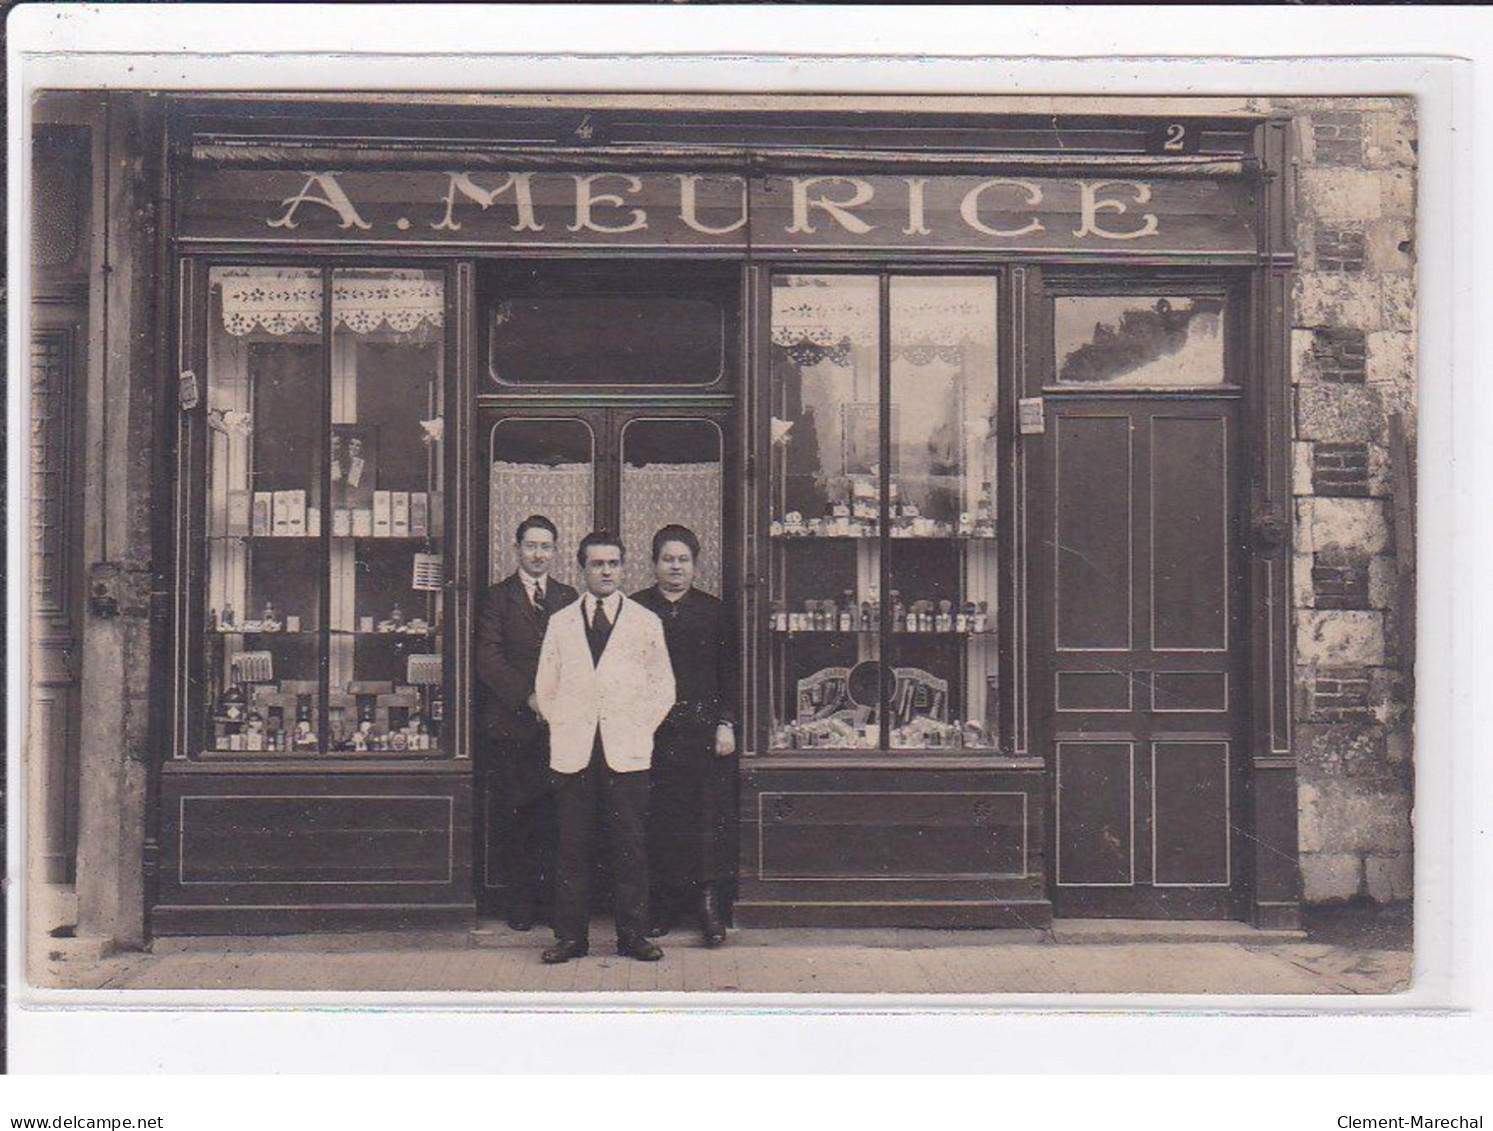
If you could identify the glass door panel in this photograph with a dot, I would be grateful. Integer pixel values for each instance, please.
(544, 466)
(671, 473)
(264, 505)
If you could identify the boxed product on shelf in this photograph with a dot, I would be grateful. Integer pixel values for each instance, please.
(342, 522)
(239, 506)
(281, 503)
(295, 508)
(381, 513)
(419, 514)
(362, 523)
(399, 514)
(262, 524)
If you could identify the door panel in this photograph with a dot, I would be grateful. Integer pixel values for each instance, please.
(1139, 653)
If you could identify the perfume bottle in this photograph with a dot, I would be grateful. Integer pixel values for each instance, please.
(899, 612)
(984, 514)
(945, 622)
(982, 617)
(847, 613)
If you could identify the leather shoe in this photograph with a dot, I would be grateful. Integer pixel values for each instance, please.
(711, 927)
(663, 919)
(564, 950)
(522, 921)
(635, 946)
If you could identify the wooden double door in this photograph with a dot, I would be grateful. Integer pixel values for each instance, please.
(630, 468)
(1135, 591)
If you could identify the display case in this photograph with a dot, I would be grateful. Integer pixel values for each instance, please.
(324, 495)
(883, 573)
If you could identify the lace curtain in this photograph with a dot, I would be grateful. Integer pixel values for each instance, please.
(564, 493)
(290, 302)
(828, 324)
(657, 494)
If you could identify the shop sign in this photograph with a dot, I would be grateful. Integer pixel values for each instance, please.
(774, 213)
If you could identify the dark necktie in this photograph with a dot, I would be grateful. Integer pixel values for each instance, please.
(601, 631)
(541, 604)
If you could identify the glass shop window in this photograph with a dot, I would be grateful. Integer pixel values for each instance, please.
(325, 498)
(1139, 341)
(629, 325)
(883, 526)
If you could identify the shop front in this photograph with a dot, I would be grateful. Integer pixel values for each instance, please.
(981, 422)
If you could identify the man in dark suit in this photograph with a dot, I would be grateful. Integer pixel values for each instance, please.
(514, 616)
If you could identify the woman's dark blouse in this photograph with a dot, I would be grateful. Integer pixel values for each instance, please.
(702, 650)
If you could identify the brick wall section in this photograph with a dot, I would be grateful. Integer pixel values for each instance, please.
(1353, 347)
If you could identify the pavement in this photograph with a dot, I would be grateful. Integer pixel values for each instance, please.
(1343, 951)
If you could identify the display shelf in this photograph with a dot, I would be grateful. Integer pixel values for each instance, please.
(874, 538)
(304, 632)
(239, 538)
(425, 634)
(899, 633)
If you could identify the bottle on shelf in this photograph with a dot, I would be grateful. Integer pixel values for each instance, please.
(228, 617)
(982, 617)
(847, 613)
(899, 612)
(984, 514)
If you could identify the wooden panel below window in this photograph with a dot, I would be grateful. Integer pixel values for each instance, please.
(258, 846)
(338, 838)
(891, 835)
(836, 842)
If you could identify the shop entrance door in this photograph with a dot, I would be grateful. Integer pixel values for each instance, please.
(1136, 595)
(627, 468)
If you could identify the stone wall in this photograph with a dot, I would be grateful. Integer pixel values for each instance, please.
(1353, 370)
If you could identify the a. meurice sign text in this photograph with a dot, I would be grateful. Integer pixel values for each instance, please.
(771, 213)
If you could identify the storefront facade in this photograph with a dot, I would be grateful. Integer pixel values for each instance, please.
(983, 420)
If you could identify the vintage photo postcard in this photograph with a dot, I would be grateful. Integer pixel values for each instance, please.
(613, 543)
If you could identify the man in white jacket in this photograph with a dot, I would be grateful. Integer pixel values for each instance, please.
(604, 684)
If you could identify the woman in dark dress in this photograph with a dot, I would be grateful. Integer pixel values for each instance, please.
(694, 772)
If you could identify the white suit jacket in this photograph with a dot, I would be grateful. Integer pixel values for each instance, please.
(627, 694)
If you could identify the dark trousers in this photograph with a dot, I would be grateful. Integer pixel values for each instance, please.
(526, 808)
(600, 795)
(689, 814)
